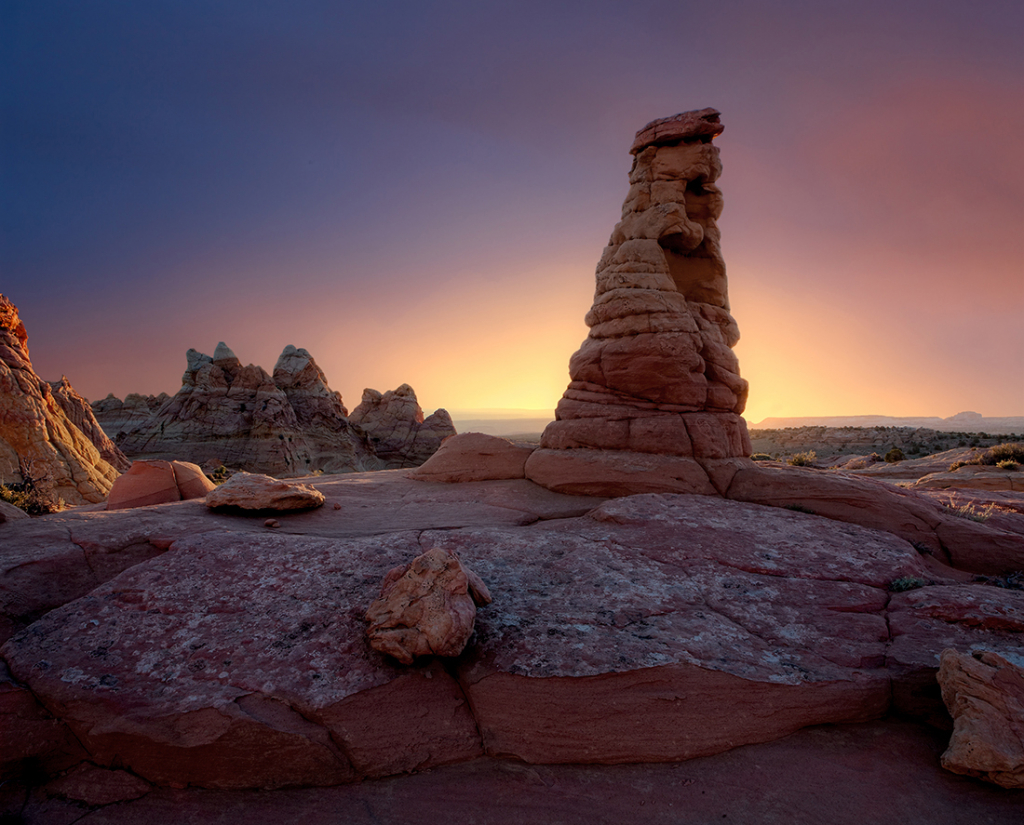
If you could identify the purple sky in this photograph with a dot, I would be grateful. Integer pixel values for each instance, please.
(419, 192)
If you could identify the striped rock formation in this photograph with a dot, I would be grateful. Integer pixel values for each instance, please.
(655, 396)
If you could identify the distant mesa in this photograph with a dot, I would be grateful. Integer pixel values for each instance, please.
(48, 435)
(961, 422)
(287, 424)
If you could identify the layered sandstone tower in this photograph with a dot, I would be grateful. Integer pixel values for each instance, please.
(655, 396)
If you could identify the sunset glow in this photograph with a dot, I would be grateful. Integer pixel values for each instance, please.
(423, 203)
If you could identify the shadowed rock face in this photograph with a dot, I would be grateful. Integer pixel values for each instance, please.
(400, 435)
(38, 440)
(657, 374)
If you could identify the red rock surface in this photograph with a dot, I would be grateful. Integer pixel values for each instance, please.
(158, 482)
(475, 457)
(985, 696)
(258, 638)
(92, 785)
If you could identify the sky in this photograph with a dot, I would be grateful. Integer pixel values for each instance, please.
(418, 192)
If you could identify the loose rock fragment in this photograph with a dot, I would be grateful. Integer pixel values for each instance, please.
(984, 693)
(251, 491)
(427, 607)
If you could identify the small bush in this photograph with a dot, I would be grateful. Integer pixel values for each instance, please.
(1009, 581)
(220, 475)
(1008, 464)
(802, 459)
(1003, 452)
(905, 583)
(894, 456)
(761, 457)
(33, 501)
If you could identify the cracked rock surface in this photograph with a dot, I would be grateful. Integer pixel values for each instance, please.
(653, 628)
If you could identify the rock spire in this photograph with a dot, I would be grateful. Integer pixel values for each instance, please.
(656, 383)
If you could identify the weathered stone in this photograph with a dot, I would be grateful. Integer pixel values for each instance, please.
(425, 608)
(252, 491)
(985, 696)
(474, 457)
(38, 442)
(8, 512)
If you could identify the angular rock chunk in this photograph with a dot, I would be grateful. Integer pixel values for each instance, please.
(426, 607)
(984, 693)
(251, 491)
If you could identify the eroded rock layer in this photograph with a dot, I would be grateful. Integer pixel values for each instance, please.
(38, 441)
(657, 373)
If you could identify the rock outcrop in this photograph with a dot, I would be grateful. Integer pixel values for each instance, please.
(657, 376)
(475, 457)
(241, 417)
(287, 424)
(985, 696)
(38, 441)
(80, 414)
(394, 422)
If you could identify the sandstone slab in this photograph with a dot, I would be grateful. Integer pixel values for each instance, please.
(985, 695)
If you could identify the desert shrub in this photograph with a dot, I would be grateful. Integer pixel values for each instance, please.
(761, 457)
(1007, 464)
(904, 583)
(220, 475)
(28, 497)
(956, 465)
(802, 459)
(894, 456)
(1003, 452)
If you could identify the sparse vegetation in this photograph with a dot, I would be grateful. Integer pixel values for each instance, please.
(761, 457)
(802, 459)
(904, 583)
(1009, 581)
(220, 475)
(971, 511)
(894, 455)
(1002, 455)
(26, 496)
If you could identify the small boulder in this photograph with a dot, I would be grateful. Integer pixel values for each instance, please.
(984, 693)
(474, 457)
(145, 483)
(8, 512)
(158, 482)
(251, 491)
(427, 607)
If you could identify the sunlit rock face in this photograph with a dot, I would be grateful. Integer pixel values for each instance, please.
(38, 441)
(657, 374)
